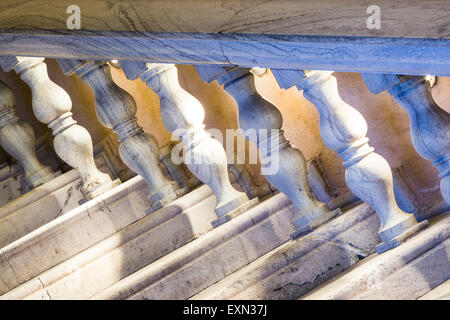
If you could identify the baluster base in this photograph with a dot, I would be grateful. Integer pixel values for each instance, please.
(100, 190)
(235, 213)
(165, 196)
(396, 241)
(104, 188)
(308, 222)
(39, 178)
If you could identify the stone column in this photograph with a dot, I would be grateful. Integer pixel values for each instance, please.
(52, 105)
(183, 116)
(17, 138)
(429, 124)
(116, 109)
(282, 164)
(343, 129)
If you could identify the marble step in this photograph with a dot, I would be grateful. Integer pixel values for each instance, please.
(124, 252)
(296, 267)
(79, 229)
(404, 273)
(11, 183)
(442, 292)
(213, 256)
(40, 206)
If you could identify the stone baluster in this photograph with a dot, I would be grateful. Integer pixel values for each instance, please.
(176, 170)
(183, 115)
(17, 138)
(282, 164)
(52, 105)
(116, 109)
(429, 124)
(343, 129)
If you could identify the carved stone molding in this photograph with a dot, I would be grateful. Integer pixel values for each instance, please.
(343, 129)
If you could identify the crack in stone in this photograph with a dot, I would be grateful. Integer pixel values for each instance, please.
(69, 193)
(43, 288)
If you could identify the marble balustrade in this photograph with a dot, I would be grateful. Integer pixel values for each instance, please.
(343, 129)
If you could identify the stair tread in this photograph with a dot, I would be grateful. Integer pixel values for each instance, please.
(405, 272)
(266, 277)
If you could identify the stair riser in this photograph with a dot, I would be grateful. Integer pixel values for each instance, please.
(120, 255)
(414, 280)
(299, 266)
(36, 214)
(210, 258)
(74, 232)
(405, 272)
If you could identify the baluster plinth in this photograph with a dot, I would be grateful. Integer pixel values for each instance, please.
(343, 129)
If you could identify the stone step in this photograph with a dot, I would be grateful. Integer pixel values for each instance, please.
(441, 292)
(213, 256)
(125, 252)
(40, 206)
(296, 267)
(11, 183)
(81, 228)
(406, 272)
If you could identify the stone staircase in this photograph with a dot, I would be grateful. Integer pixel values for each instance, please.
(109, 248)
(129, 222)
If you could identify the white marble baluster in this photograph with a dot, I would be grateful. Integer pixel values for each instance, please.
(283, 163)
(17, 138)
(52, 105)
(343, 129)
(429, 124)
(183, 115)
(116, 109)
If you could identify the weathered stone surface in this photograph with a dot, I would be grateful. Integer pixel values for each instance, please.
(197, 265)
(124, 252)
(406, 272)
(73, 232)
(41, 205)
(11, 183)
(441, 292)
(296, 267)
